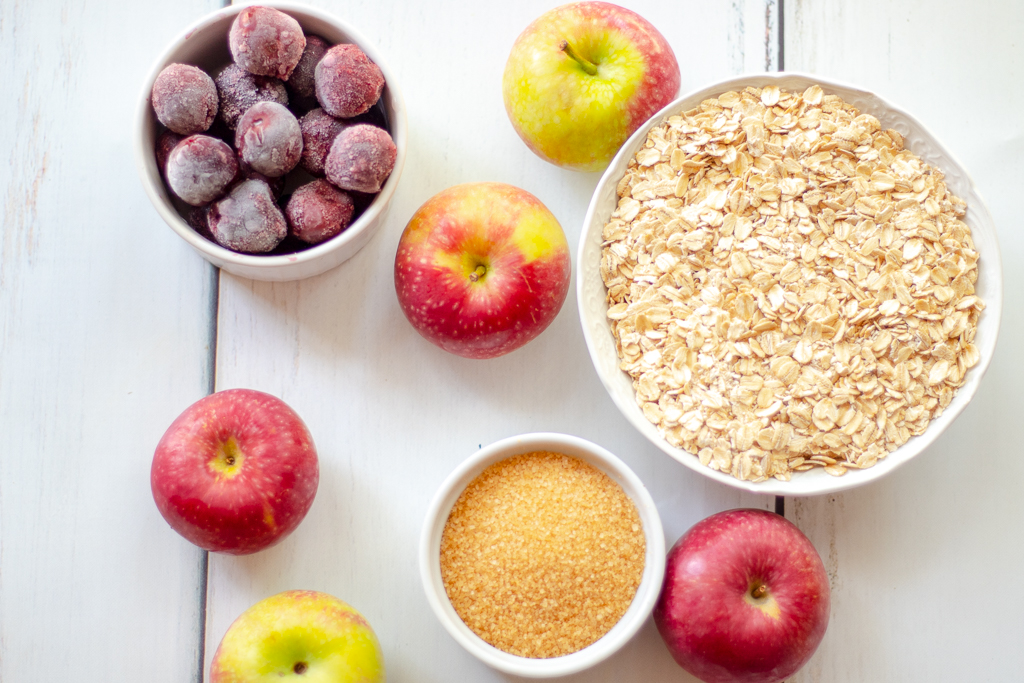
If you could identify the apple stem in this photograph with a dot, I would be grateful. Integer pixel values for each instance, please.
(759, 591)
(478, 273)
(587, 65)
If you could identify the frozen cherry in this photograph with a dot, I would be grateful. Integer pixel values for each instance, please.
(318, 211)
(165, 142)
(239, 90)
(266, 42)
(247, 219)
(301, 86)
(276, 185)
(347, 82)
(318, 132)
(361, 158)
(184, 99)
(268, 139)
(200, 168)
(197, 217)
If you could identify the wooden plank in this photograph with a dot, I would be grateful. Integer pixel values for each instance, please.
(924, 564)
(391, 414)
(105, 319)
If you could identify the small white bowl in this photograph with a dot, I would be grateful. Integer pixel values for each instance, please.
(631, 621)
(205, 44)
(591, 291)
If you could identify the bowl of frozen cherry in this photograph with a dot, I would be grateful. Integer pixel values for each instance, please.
(271, 138)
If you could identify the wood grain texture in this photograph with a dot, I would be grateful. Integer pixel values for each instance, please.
(391, 414)
(104, 328)
(925, 564)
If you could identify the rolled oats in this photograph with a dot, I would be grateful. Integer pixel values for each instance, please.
(788, 286)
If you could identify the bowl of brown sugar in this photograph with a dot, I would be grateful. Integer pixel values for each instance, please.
(542, 554)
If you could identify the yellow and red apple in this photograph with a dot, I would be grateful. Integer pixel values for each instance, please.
(582, 78)
(482, 269)
(299, 636)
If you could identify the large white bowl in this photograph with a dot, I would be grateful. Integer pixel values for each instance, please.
(631, 621)
(591, 291)
(205, 44)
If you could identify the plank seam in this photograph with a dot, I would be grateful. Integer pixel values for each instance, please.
(780, 52)
(781, 35)
(204, 564)
(204, 574)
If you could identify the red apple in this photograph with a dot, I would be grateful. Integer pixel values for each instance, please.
(482, 269)
(299, 637)
(582, 78)
(236, 472)
(745, 598)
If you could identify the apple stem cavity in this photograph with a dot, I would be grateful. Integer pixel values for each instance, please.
(586, 64)
(228, 459)
(478, 274)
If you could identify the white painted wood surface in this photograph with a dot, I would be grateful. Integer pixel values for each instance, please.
(391, 414)
(925, 564)
(105, 318)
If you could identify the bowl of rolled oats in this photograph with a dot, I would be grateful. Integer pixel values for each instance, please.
(788, 284)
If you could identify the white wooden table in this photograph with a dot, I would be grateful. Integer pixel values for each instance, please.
(110, 326)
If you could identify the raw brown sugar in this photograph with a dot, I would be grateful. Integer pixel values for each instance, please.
(542, 554)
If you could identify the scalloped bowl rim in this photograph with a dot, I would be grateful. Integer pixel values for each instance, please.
(591, 292)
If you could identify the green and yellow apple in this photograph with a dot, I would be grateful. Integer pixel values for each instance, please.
(482, 269)
(582, 77)
(299, 636)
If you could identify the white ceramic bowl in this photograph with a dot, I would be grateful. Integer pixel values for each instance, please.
(591, 291)
(646, 595)
(205, 44)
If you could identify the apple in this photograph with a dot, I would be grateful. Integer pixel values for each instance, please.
(300, 636)
(482, 269)
(582, 78)
(236, 472)
(745, 598)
